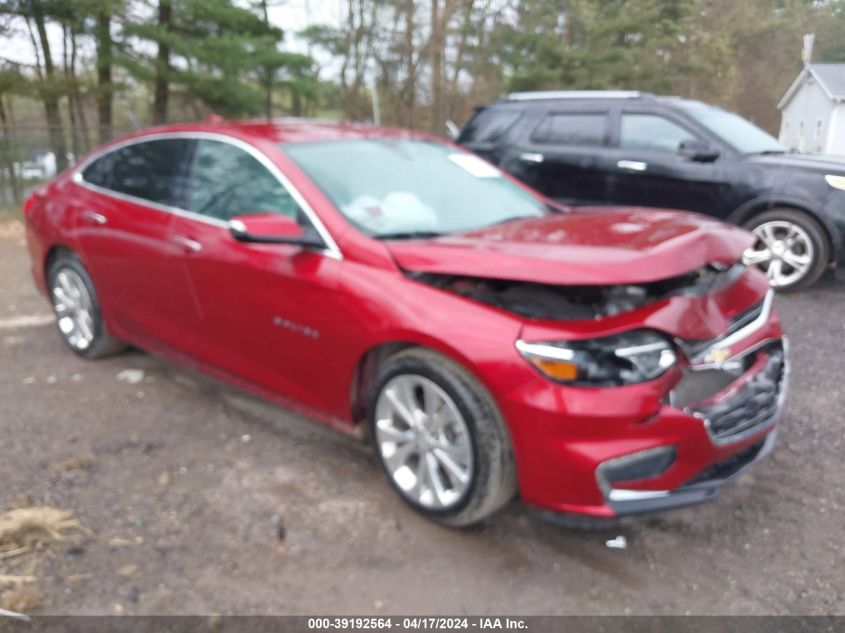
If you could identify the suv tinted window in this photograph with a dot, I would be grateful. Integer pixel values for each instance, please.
(651, 132)
(152, 170)
(489, 125)
(227, 182)
(571, 129)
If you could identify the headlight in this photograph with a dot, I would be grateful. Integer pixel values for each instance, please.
(837, 182)
(625, 359)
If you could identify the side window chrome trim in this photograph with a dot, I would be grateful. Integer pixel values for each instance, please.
(332, 249)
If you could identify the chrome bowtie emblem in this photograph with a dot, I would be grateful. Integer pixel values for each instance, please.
(717, 356)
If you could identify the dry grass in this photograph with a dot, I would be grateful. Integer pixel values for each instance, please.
(26, 531)
(22, 599)
(11, 227)
(14, 582)
(78, 462)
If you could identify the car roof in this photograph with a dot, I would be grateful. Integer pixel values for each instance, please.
(288, 130)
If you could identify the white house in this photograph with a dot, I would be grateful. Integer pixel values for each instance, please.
(814, 110)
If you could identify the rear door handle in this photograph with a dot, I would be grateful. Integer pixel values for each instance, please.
(190, 246)
(632, 165)
(531, 157)
(92, 217)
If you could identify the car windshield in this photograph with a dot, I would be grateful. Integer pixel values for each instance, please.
(741, 134)
(395, 188)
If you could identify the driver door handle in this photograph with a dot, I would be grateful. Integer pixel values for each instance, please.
(632, 165)
(190, 246)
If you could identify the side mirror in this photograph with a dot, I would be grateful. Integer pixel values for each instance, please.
(272, 228)
(698, 151)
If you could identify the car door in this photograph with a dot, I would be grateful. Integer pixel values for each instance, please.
(650, 172)
(565, 156)
(122, 213)
(268, 311)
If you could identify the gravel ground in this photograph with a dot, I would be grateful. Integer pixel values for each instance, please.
(183, 482)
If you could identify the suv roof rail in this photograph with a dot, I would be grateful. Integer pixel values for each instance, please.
(575, 94)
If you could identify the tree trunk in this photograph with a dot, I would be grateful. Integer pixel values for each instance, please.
(268, 72)
(105, 90)
(50, 91)
(436, 69)
(78, 100)
(70, 76)
(8, 158)
(162, 79)
(409, 89)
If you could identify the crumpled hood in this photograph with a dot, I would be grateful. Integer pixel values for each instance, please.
(587, 246)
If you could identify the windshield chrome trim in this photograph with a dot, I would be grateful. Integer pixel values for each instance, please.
(331, 250)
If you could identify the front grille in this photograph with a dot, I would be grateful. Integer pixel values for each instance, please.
(702, 384)
(755, 404)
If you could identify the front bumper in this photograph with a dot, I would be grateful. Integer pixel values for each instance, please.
(577, 440)
(706, 488)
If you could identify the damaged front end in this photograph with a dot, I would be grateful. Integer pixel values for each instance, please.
(579, 302)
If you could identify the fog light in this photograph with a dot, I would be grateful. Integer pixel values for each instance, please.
(642, 465)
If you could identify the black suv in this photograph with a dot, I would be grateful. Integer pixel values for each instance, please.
(631, 148)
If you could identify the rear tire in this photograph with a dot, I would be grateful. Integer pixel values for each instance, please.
(446, 450)
(791, 248)
(77, 309)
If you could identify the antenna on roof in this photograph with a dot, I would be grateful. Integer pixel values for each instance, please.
(807, 52)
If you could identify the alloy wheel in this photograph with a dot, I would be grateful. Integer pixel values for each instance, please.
(783, 250)
(424, 442)
(74, 308)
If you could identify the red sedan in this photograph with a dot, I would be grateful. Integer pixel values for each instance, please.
(489, 343)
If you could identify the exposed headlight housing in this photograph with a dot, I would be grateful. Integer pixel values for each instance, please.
(625, 359)
(837, 182)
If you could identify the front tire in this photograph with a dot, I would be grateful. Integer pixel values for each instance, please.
(791, 248)
(440, 439)
(77, 309)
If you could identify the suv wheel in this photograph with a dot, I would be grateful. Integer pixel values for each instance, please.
(791, 248)
(440, 439)
(77, 309)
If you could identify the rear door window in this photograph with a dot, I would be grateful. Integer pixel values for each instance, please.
(154, 170)
(98, 172)
(572, 128)
(489, 125)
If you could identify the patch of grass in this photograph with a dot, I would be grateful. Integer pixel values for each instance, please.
(25, 529)
(22, 599)
(24, 534)
(10, 212)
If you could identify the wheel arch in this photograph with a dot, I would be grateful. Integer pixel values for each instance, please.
(760, 205)
(52, 255)
(363, 377)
